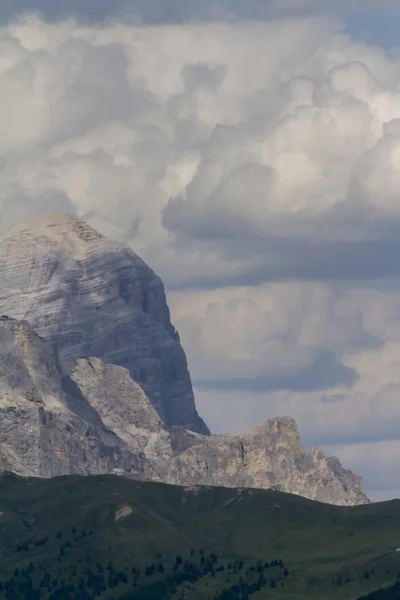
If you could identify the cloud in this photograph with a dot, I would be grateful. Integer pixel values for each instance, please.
(365, 412)
(340, 419)
(312, 192)
(326, 372)
(277, 336)
(365, 415)
(277, 169)
(379, 464)
(333, 397)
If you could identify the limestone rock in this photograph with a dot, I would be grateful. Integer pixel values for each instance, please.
(269, 455)
(89, 296)
(123, 407)
(47, 425)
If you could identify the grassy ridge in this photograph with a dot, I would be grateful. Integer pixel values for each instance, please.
(71, 527)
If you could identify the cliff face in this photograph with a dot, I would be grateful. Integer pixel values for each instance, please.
(269, 455)
(105, 388)
(89, 296)
(47, 426)
(88, 417)
(122, 406)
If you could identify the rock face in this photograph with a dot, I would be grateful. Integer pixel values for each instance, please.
(48, 425)
(89, 296)
(269, 455)
(122, 407)
(105, 388)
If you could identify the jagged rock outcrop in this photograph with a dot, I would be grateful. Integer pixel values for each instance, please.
(49, 427)
(268, 455)
(122, 407)
(105, 388)
(89, 296)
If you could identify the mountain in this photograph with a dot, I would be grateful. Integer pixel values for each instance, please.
(89, 417)
(110, 537)
(93, 379)
(89, 296)
(268, 455)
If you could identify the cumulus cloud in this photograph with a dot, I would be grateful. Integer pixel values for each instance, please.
(280, 168)
(277, 336)
(231, 333)
(311, 190)
(255, 166)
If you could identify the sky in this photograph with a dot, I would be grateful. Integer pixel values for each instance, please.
(250, 153)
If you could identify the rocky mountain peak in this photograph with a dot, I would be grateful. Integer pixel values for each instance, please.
(89, 296)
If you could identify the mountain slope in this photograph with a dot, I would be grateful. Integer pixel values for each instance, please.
(89, 296)
(104, 526)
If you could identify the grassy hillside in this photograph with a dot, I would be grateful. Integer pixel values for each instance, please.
(388, 593)
(110, 537)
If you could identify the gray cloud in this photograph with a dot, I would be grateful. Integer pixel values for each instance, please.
(333, 397)
(378, 461)
(276, 337)
(168, 11)
(326, 373)
(178, 11)
(256, 256)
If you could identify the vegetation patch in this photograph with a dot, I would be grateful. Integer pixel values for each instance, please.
(109, 537)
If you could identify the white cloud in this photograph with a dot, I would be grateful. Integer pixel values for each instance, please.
(257, 163)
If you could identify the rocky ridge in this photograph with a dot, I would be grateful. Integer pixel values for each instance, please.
(268, 455)
(64, 410)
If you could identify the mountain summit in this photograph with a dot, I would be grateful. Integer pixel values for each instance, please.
(92, 297)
